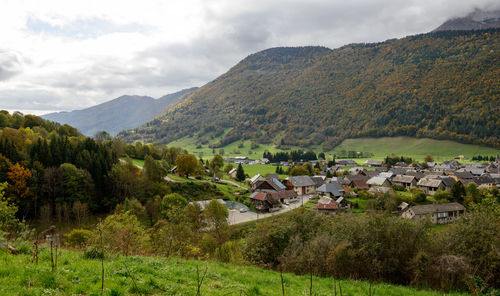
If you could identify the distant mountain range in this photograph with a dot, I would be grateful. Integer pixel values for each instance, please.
(441, 85)
(122, 113)
(476, 20)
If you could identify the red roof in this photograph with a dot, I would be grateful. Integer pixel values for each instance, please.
(332, 205)
(260, 196)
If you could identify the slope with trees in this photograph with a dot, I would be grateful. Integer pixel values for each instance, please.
(441, 85)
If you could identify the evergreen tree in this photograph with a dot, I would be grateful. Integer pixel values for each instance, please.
(240, 173)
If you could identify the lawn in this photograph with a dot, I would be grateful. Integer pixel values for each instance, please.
(160, 276)
(263, 169)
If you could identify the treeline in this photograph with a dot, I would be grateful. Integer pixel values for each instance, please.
(484, 158)
(424, 86)
(378, 247)
(55, 173)
(295, 155)
(393, 159)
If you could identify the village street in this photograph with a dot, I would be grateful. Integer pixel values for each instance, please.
(235, 217)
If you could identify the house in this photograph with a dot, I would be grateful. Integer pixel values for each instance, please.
(373, 163)
(447, 182)
(430, 186)
(328, 205)
(254, 179)
(272, 184)
(301, 184)
(318, 180)
(397, 171)
(465, 175)
(332, 190)
(232, 173)
(356, 170)
(437, 213)
(379, 181)
(346, 162)
(264, 201)
(405, 181)
(360, 184)
(271, 201)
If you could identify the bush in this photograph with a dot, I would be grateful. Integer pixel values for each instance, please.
(398, 187)
(94, 253)
(79, 238)
(420, 197)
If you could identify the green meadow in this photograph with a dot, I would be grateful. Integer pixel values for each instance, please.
(417, 148)
(136, 275)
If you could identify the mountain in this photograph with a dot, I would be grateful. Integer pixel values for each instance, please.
(441, 85)
(122, 113)
(476, 20)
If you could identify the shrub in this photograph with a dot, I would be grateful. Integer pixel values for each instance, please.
(94, 253)
(79, 238)
(398, 187)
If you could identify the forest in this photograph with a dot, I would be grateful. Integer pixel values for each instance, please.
(441, 85)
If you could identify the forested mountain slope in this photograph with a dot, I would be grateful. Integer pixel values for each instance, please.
(442, 85)
(122, 113)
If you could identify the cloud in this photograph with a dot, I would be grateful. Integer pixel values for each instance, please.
(73, 54)
(10, 65)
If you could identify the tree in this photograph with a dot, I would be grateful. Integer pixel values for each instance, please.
(216, 215)
(152, 169)
(458, 191)
(240, 173)
(228, 168)
(8, 220)
(172, 207)
(321, 155)
(217, 161)
(186, 164)
(18, 186)
(121, 232)
(429, 158)
(299, 171)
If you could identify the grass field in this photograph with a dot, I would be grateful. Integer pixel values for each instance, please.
(413, 147)
(159, 276)
(380, 147)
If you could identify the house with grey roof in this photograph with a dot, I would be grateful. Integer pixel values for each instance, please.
(332, 189)
(301, 184)
(379, 181)
(437, 213)
(430, 186)
(405, 181)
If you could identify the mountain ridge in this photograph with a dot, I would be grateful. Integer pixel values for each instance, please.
(124, 112)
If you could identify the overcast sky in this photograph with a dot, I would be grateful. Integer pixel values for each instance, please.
(66, 55)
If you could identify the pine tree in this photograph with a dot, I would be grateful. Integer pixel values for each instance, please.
(240, 173)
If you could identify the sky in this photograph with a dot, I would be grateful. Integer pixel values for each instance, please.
(66, 55)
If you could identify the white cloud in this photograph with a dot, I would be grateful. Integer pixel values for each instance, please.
(60, 55)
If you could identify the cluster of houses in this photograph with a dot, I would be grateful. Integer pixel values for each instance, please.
(246, 160)
(269, 193)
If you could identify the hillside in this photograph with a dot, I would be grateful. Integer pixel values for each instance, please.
(119, 114)
(159, 276)
(441, 85)
(476, 20)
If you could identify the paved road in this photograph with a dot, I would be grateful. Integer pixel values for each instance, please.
(234, 183)
(235, 217)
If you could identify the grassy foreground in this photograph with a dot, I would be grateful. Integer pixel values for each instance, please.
(159, 276)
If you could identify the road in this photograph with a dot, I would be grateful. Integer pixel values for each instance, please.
(235, 217)
(234, 184)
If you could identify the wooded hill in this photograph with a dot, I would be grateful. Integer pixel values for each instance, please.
(441, 85)
(122, 113)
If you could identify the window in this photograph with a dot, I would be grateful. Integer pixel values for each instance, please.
(442, 215)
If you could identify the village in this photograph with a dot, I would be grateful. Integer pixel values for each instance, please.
(335, 187)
